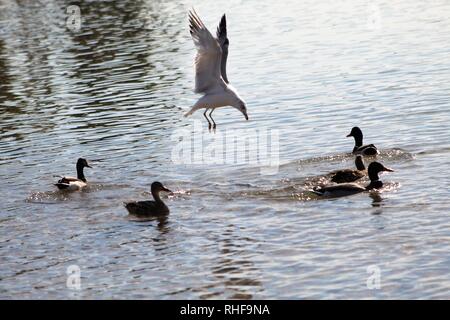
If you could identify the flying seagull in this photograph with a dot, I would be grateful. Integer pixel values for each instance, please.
(210, 69)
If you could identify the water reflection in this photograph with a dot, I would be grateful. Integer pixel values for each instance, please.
(74, 81)
(115, 91)
(376, 201)
(162, 222)
(234, 270)
(6, 91)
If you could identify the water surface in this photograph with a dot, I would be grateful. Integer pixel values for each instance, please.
(115, 93)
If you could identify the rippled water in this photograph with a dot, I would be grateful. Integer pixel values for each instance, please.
(115, 93)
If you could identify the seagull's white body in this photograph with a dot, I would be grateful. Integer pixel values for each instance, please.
(216, 99)
(210, 69)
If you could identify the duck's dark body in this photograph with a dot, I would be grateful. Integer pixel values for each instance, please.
(149, 208)
(340, 190)
(349, 175)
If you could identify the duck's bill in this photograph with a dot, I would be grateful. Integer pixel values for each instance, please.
(349, 135)
(88, 166)
(165, 189)
(388, 169)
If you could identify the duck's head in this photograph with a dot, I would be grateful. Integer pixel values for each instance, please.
(82, 163)
(158, 187)
(375, 168)
(356, 132)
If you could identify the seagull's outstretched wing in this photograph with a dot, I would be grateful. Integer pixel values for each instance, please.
(224, 43)
(207, 62)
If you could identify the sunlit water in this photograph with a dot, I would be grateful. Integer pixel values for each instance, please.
(115, 93)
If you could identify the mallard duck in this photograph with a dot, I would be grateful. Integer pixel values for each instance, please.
(149, 208)
(72, 183)
(359, 148)
(346, 189)
(349, 175)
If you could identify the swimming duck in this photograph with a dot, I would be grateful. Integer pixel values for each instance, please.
(359, 148)
(346, 189)
(350, 175)
(72, 183)
(149, 208)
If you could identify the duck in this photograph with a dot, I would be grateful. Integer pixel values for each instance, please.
(149, 208)
(350, 175)
(71, 183)
(346, 189)
(359, 148)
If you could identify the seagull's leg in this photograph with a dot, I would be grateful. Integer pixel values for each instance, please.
(210, 115)
(209, 123)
